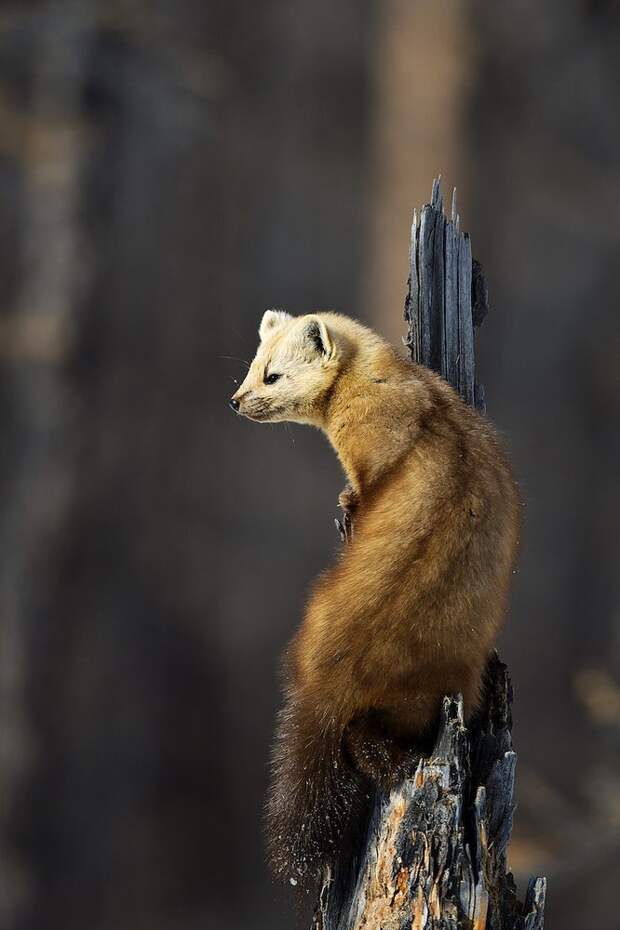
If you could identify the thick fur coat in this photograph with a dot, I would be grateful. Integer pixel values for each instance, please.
(411, 609)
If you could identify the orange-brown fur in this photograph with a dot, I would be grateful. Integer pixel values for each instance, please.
(411, 608)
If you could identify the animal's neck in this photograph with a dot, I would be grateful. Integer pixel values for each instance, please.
(367, 426)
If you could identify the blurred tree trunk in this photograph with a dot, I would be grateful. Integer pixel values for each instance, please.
(44, 58)
(422, 88)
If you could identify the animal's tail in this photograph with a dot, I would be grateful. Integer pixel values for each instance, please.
(316, 797)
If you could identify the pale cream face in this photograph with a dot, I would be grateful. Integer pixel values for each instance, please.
(295, 364)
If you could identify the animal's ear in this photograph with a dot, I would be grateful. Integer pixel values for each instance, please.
(272, 320)
(316, 336)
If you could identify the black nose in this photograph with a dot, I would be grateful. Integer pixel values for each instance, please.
(234, 404)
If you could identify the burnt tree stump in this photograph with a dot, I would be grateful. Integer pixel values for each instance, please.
(434, 855)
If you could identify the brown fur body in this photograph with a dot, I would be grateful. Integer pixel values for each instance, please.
(410, 610)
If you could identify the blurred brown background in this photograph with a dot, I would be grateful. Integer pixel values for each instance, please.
(167, 171)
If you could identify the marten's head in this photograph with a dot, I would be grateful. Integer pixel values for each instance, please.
(295, 365)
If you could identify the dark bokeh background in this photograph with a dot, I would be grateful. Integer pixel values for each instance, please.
(167, 171)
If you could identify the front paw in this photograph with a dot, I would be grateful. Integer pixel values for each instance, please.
(344, 527)
(348, 500)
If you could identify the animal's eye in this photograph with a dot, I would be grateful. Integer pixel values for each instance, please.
(271, 379)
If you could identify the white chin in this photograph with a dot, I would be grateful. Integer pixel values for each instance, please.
(263, 417)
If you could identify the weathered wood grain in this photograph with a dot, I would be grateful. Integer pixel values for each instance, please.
(451, 298)
(446, 298)
(435, 852)
(438, 337)
(466, 325)
(426, 265)
(412, 299)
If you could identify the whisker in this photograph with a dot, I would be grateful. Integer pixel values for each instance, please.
(290, 432)
(233, 358)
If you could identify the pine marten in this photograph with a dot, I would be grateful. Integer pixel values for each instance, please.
(410, 611)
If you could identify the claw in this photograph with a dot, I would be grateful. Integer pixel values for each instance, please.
(345, 528)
